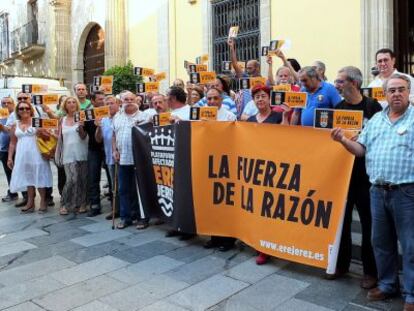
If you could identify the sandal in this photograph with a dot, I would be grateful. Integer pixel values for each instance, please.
(123, 224)
(142, 225)
(27, 210)
(63, 211)
(42, 210)
(82, 209)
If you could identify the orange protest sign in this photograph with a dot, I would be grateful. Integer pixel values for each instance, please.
(107, 80)
(4, 113)
(208, 113)
(160, 76)
(282, 87)
(291, 99)
(49, 124)
(332, 118)
(257, 81)
(101, 112)
(374, 92)
(197, 68)
(162, 119)
(34, 88)
(281, 201)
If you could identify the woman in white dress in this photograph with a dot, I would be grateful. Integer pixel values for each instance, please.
(75, 155)
(30, 170)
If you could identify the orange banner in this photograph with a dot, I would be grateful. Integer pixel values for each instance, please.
(284, 197)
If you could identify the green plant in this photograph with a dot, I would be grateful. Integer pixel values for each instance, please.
(124, 78)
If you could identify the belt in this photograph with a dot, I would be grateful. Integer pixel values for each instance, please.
(389, 186)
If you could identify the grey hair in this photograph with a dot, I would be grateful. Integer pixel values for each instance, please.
(310, 72)
(321, 65)
(352, 74)
(124, 93)
(397, 76)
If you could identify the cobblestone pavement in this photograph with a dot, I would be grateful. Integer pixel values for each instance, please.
(52, 262)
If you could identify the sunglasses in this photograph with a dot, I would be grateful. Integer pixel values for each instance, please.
(24, 109)
(22, 98)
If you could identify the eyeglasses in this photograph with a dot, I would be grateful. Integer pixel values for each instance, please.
(22, 98)
(337, 81)
(24, 109)
(399, 89)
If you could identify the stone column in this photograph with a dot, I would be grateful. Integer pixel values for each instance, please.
(62, 40)
(115, 33)
(164, 44)
(265, 31)
(377, 28)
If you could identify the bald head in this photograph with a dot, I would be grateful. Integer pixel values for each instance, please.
(253, 68)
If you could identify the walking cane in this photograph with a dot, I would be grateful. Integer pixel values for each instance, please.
(114, 195)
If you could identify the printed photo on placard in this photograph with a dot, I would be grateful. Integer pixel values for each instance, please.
(332, 118)
(244, 83)
(93, 88)
(140, 87)
(226, 66)
(291, 99)
(97, 80)
(265, 50)
(276, 44)
(233, 31)
(195, 78)
(79, 116)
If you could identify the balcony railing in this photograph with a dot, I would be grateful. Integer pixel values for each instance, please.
(25, 41)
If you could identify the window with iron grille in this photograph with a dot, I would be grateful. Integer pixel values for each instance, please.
(242, 13)
(4, 36)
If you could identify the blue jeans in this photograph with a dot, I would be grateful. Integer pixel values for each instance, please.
(95, 159)
(128, 197)
(393, 219)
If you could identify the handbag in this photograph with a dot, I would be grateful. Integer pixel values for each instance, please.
(47, 146)
(59, 149)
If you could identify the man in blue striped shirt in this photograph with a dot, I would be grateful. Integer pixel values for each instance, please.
(387, 142)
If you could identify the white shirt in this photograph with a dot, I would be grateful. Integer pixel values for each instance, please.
(183, 113)
(122, 125)
(148, 114)
(223, 114)
(379, 82)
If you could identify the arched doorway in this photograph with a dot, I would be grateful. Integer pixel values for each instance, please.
(94, 54)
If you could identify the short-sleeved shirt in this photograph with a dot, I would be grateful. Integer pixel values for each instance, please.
(122, 125)
(107, 133)
(4, 137)
(227, 103)
(250, 109)
(389, 148)
(273, 118)
(369, 107)
(183, 113)
(326, 96)
(223, 114)
(379, 82)
(86, 104)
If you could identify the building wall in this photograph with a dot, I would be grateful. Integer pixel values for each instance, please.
(329, 31)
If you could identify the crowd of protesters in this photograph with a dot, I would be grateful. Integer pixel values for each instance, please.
(382, 182)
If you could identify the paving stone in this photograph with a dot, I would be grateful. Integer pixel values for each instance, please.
(143, 237)
(58, 236)
(198, 270)
(88, 270)
(99, 237)
(94, 306)
(145, 269)
(29, 256)
(89, 253)
(34, 270)
(15, 247)
(250, 272)
(207, 293)
(163, 306)
(300, 305)
(150, 249)
(361, 302)
(98, 227)
(234, 305)
(79, 294)
(27, 306)
(14, 295)
(21, 235)
(141, 295)
(189, 253)
(268, 293)
(336, 297)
